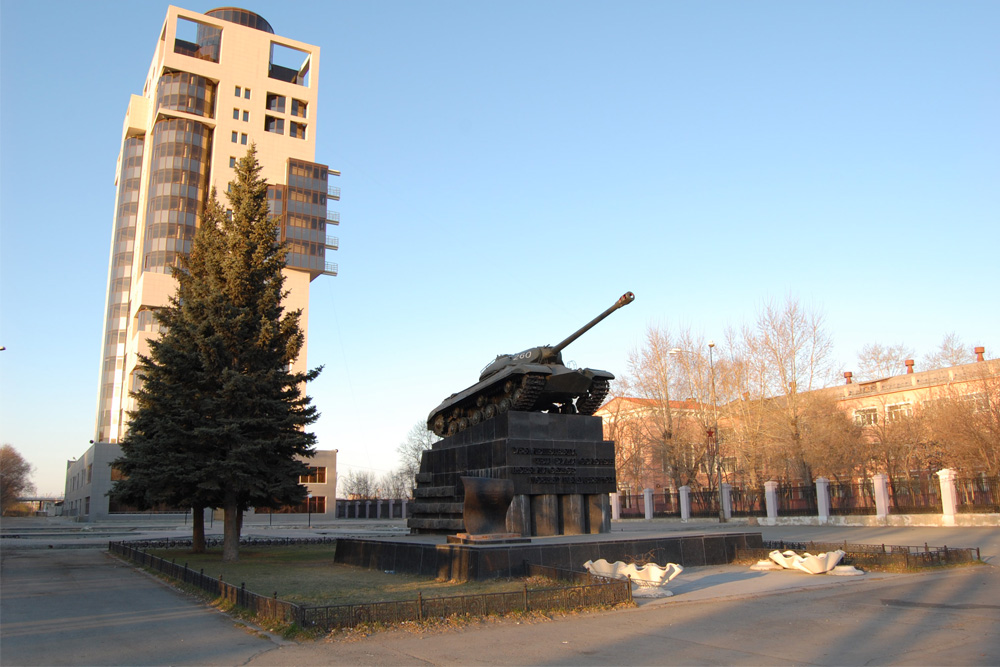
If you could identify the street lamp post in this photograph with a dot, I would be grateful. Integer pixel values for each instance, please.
(715, 431)
(309, 508)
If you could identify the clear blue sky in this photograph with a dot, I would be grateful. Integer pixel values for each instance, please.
(510, 168)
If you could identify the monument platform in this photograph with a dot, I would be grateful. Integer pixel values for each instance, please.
(561, 468)
(431, 555)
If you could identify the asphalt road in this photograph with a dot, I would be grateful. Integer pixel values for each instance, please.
(945, 618)
(79, 606)
(83, 607)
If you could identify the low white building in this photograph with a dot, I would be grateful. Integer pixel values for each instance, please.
(89, 479)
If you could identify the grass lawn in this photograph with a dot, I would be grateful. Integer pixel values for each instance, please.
(306, 574)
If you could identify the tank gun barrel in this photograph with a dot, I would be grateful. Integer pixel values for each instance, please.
(624, 300)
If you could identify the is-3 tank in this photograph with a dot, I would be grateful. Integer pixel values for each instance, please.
(534, 380)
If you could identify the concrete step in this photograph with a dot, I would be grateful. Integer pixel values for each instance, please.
(434, 492)
(438, 508)
(456, 525)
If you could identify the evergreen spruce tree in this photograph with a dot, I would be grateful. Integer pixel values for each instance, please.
(218, 388)
(259, 412)
(162, 460)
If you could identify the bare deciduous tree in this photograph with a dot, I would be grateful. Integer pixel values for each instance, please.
(965, 423)
(952, 352)
(879, 361)
(418, 440)
(359, 484)
(790, 348)
(15, 477)
(395, 484)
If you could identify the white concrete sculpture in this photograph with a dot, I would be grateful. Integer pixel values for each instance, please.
(650, 574)
(819, 564)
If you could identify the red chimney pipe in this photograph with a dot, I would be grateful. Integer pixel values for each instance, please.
(980, 351)
(909, 365)
(847, 376)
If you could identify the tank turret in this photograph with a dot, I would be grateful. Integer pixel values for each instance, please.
(534, 380)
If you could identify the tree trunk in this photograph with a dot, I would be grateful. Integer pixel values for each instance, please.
(231, 532)
(198, 529)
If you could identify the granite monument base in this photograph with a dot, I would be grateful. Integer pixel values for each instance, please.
(468, 562)
(560, 466)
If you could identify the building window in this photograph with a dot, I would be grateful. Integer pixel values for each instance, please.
(236, 114)
(317, 475)
(898, 411)
(289, 64)
(232, 162)
(246, 116)
(298, 108)
(235, 136)
(276, 103)
(297, 130)
(243, 139)
(272, 124)
(239, 91)
(977, 401)
(197, 40)
(866, 416)
(246, 93)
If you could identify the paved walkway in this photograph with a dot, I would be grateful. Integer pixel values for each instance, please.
(78, 606)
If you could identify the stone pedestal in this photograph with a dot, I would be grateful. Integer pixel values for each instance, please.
(561, 467)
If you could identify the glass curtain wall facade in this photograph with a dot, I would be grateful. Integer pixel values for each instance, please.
(178, 184)
(212, 88)
(119, 283)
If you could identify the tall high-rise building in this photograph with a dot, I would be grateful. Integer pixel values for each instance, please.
(219, 81)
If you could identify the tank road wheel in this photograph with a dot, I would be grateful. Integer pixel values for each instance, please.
(438, 425)
(480, 401)
(475, 417)
(516, 396)
(503, 405)
(453, 427)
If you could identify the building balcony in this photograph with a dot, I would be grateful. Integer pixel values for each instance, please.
(332, 242)
(333, 192)
(333, 217)
(331, 269)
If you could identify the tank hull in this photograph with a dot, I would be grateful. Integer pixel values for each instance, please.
(522, 388)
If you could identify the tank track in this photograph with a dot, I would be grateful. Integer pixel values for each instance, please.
(589, 404)
(518, 396)
(525, 397)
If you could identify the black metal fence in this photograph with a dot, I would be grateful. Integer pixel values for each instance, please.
(797, 500)
(978, 495)
(633, 505)
(268, 607)
(748, 501)
(914, 496)
(881, 557)
(704, 503)
(591, 592)
(852, 499)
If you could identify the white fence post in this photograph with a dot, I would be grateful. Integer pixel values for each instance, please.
(949, 496)
(771, 499)
(823, 499)
(685, 494)
(727, 500)
(881, 483)
(616, 506)
(647, 503)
